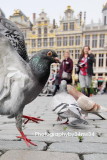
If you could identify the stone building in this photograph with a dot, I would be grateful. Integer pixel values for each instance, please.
(72, 33)
(95, 35)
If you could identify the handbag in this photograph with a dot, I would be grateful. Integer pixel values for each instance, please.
(66, 75)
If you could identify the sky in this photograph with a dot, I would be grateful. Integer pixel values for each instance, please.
(54, 8)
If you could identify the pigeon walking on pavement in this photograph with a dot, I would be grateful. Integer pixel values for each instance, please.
(21, 79)
(86, 104)
(66, 106)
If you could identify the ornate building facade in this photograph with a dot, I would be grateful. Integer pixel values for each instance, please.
(72, 33)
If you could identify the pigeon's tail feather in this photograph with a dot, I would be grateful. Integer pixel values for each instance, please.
(79, 121)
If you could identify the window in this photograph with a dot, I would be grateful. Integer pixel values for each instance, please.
(71, 53)
(77, 40)
(95, 60)
(51, 41)
(65, 26)
(45, 43)
(105, 20)
(24, 33)
(71, 26)
(39, 42)
(59, 54)
(77, 54)
(87, 40)
(100, 74)
(106, 59)
(101, 60)
(94, 41)
(71, 40)
(39, 31)
(33, 43)
(65, 41)
(45, 31)
(102, 40)
(59, 41)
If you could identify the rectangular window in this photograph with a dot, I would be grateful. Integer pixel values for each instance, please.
(101, 60)
(39, 42)
(45, 42)
(33, 43)
(59, 41)
(59, 54)
(94, 41)
(105, 20)
(71, 41)
(51, 42)
(106, 59)
(87, 40)
(65, 27)
(95, 60)
(77, 40)
(71, 53)
(71, 25)
(102, 40)
(65, 41)
(77, 54)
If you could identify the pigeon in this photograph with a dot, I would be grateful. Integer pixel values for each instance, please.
(15, 36)
(86, 104)
(65, 106)
(21, 80)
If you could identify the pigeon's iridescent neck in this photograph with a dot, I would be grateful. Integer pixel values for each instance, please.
(40, 68)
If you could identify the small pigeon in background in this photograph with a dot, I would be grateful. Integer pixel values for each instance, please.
(66, 107)
(21, 79)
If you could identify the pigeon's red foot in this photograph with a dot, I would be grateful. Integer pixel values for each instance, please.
(36, 120)
(66, 122)
(27, 141)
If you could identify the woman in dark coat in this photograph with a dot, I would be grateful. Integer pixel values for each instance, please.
(85, 65)
(66, 68)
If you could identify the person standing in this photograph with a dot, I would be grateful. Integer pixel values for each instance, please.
(56, 83)
(85, 65)
(66, 68)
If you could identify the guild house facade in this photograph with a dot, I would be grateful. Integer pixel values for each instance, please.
(72, 33)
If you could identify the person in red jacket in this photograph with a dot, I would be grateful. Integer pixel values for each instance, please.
(66, 68)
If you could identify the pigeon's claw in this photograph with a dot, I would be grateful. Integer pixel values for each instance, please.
(66, 122)
(36, 120)
(27, 141)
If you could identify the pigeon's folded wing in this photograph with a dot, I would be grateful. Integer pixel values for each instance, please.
(13, 73)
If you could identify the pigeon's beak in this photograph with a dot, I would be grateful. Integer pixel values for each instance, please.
(57, 60)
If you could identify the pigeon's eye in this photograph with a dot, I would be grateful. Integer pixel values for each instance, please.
(49, 53)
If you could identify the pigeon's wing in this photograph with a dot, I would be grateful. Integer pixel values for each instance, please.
(15, 36)
(74, 110)
(13, 77)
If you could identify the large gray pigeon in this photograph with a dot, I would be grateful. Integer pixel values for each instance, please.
(66, 106)
(21, 81)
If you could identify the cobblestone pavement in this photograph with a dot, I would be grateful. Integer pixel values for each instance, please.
(55, 141)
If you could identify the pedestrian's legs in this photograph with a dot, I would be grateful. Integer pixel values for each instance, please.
(83, 90)
(88, 84)
(88, 92)
(82, 81)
